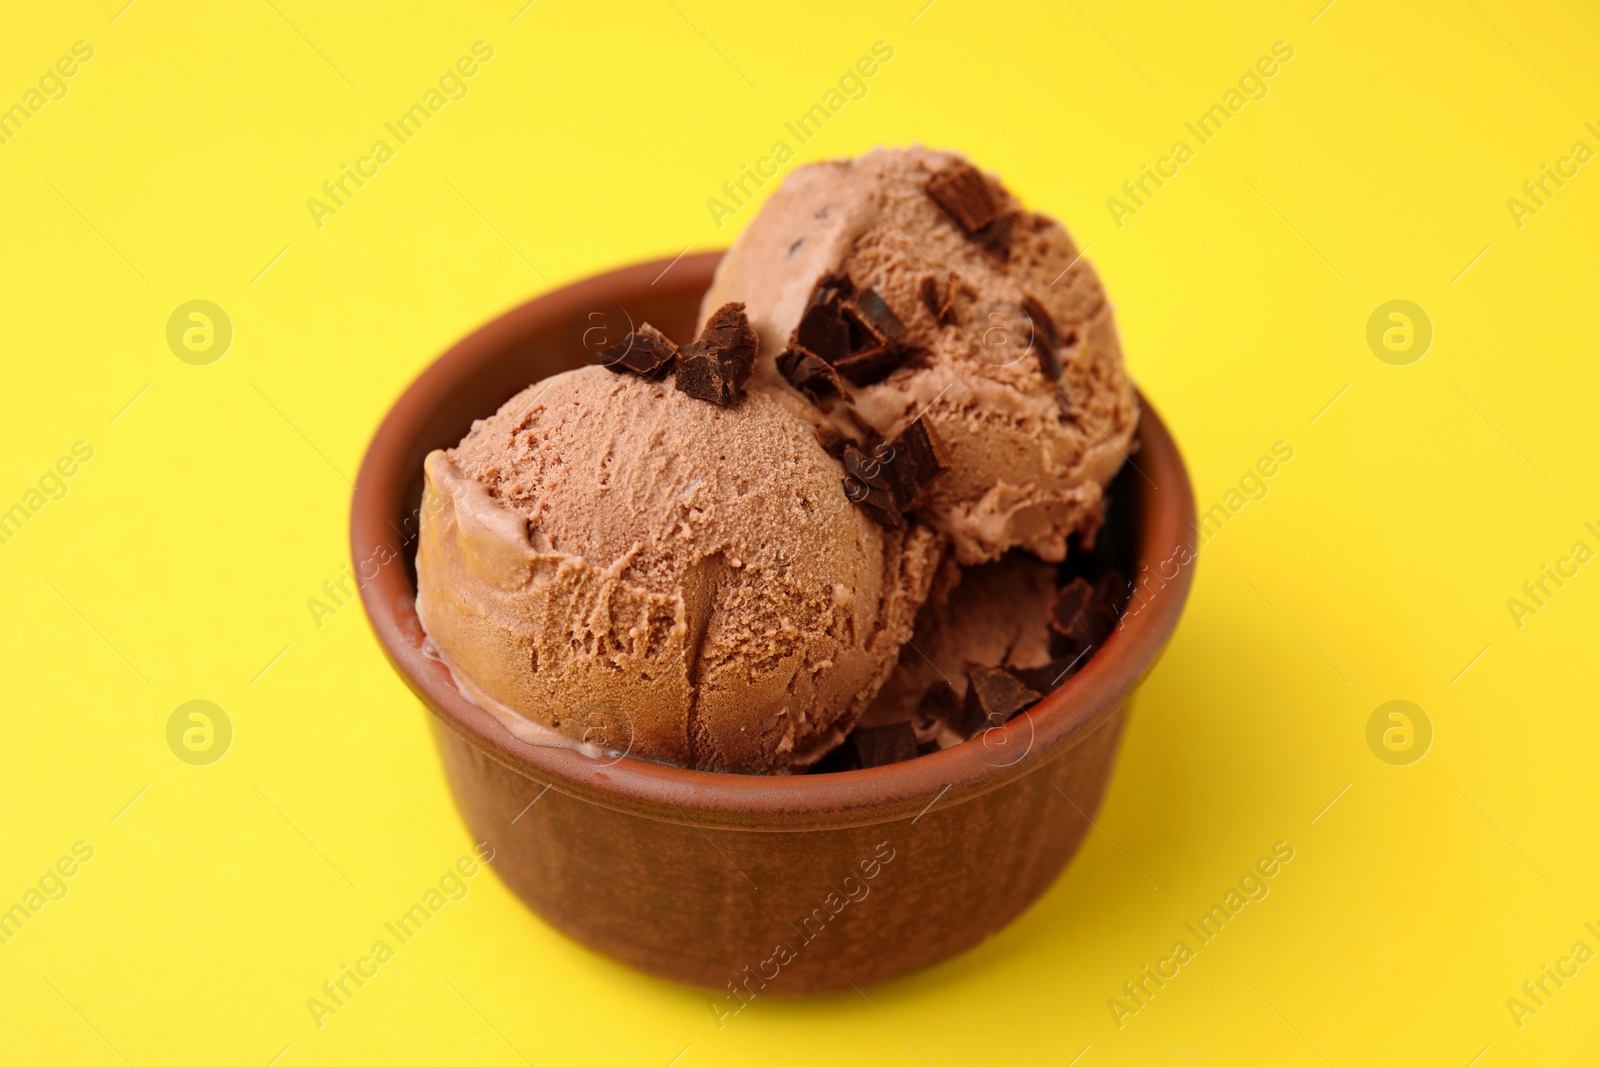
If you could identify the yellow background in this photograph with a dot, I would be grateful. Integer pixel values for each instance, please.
(179, 564)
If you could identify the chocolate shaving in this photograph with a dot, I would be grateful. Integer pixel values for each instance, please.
(854, 332)
(833, 287)
(1070, 602)
(890, 479)
(1044, 327)
(1083, 623)
(912, 461)
(878, 746)
(867, 485)
(870, 310)
(964, 195)
(994, 696)
(1046, 337)
(646, 352)
(871, 365)
(823, 331)
(940, 704)
(938, 303)
(716, 365)
(831, 440)
(810, 374)
(995, 238)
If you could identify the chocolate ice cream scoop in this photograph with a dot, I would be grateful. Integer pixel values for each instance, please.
(617, 560)
(906, 283)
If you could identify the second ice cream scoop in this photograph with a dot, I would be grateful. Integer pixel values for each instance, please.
(927, 290)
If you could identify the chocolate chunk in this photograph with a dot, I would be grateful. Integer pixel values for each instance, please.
(995, 238)
(853, 331)
(868, 486)
(964, 195)
(940, 704)
(823, 332)
(877, 746)
(1044, 327)
(938, 296)
(1046, 338)
(1083, 623)
(646, 352)
(1070, 602)
(912, 461)
(832, 288)
(868, 467)
(716, 365)
(870, 310)
(994, 696)
(872, 364)
(810, 374)
(927, 748)
(877, 503)
(831, 440)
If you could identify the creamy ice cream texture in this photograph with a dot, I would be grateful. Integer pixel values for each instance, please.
(660, 558)
(991, 615)
(648, 572)
(1014, 358)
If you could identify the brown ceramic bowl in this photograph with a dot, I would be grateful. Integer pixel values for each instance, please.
(739, 883)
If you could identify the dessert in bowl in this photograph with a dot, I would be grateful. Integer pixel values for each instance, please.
(747, 675)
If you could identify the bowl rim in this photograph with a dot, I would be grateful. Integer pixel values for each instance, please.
(1083, 703)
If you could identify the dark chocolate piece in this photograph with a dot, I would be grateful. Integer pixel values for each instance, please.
(853, 331)
(995, 238)
(927, 748)
(868, 486)
(1046, 338)
(871, 365)
(1070, 602)
(823, 331)
(716, 365)
(938, 297)
(877, 746)
(994, 696)
(810, 374)
(646, 352)
(912, 461)
(940, 704)
(870, 310)
(832, 288)
(1044, 327)
(1092, 622)
(877, 503)
(831, 440)
(964, 195)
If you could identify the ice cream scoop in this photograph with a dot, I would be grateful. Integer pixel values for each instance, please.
(995, 615)
(617, 560)
(905, 283)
